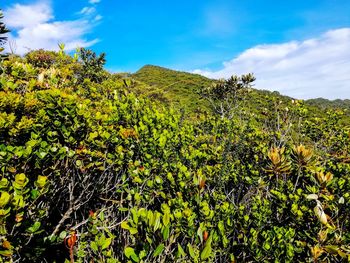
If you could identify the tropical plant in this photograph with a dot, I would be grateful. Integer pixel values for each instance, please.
(92, 65)
(225, 96)
(3, 38)
(90, 171)
(3, 30)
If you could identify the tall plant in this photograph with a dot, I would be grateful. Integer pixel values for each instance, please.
(3, 31)
(224, 96)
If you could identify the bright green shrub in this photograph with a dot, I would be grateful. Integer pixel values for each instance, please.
(91, 171)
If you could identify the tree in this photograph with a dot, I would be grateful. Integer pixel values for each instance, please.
(224, 96)
(3, 38)
(3, 31)
(92, 65)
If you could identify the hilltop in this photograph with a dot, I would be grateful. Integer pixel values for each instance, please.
(180, 84)
(176, 88)
(334, 104)
(182, 90)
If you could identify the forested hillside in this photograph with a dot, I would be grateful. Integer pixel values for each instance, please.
(171, 87)
(324, 103)
(184, 91)
(165, 166)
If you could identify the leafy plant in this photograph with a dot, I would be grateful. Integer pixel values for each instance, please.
(92, 65)
(91, 171)
(3, 30)
(225, 95)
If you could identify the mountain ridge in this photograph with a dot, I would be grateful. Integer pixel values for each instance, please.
(163, 79)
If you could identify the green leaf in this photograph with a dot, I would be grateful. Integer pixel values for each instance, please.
(125, 225)
(41, 155)
(158, 250)
(343, 255)
(94, 246)
(181, 252)
(106, 243)
(133, 230)
(150, 217)
(266, 246)
(166, 232)
(157, 222)
(191, 251)
(6, 253)
(4, 199)
(221, 227)
(102, 216)
(34, 193)
(20, 181)
(142, 254)
(4, 183)
(63, 234)
(101, 240)
(130, 252)
(4, 212)
(166, 218)
(18, 201)
(78, 163)
(35, 227)
(209, 240)
(135, 258)
(206, 251)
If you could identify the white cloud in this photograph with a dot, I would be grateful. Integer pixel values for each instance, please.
(318, 67)
(19, 16)
(94, 1)
(37, 28)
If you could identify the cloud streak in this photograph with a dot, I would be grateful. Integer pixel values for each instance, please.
(37, 28)
(218, 21)
(87, 10)
(317, 67)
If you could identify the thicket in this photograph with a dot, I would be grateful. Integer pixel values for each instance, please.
(91, 171)
(335, 104)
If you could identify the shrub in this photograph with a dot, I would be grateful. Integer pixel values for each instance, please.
(93, 172)
(92, 66)
(41, 58)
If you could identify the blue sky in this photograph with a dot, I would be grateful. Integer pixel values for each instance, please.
(300, 48)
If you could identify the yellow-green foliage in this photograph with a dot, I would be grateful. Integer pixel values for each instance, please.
(90, 168)
(176, 88)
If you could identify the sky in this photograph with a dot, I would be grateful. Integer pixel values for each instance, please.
(299, 48)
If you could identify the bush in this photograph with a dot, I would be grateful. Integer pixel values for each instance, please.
(93, 172)
(41, 58)
(92, 66)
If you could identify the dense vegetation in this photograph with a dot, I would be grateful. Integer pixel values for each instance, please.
(94, 168)
(172, 87)
(185, 92)
(335, 104)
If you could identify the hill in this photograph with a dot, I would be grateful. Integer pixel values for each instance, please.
(176, 88)
(183, 91)
(333, 104)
